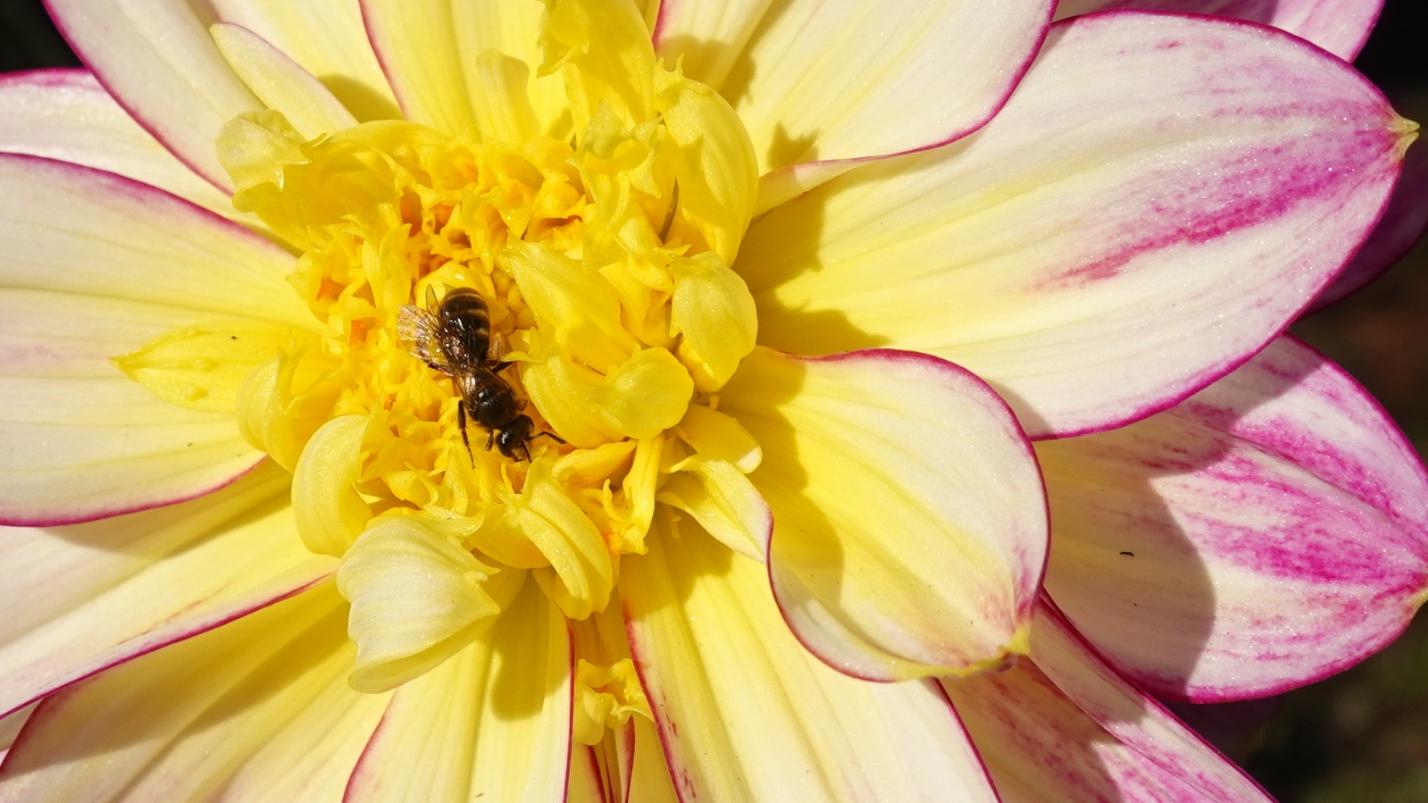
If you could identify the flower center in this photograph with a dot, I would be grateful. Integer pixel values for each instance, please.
(518, 341)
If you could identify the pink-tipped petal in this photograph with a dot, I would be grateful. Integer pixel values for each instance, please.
(96, 266)
(503, 707)
(83, 598)
(255, 710)
(817, 82)
(66, 115)
(1159, 198)
(1339, 26)
(1263, 534)
(1064, 726)
(1400, 229)
(889, 473)
(156, 58)
(745, 713)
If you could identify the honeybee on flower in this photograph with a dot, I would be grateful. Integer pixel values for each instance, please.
(833, 312)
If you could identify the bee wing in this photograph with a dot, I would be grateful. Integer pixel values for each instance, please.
(417, 330)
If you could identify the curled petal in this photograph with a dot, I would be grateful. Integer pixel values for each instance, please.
(715, 317)
(503, 705)
(718, 495)
(1153, 177)
(888, 472)
(1267, 532)
(417, 599)
(330, 513)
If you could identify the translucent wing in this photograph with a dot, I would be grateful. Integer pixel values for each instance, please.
(418, 330)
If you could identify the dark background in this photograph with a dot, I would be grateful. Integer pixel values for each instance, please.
(1362, 736)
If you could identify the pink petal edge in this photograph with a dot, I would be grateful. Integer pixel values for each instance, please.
(927, 360)
(219, 182)
(1209, 376)
(198, 628)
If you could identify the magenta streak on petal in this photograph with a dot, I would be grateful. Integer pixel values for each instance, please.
(665, 728)
(360, 769)
(51, 77)
(9, 519)
(374, 41)
(218, 182)
(1250, 190)
(631, 737)
(196, 629)
(1209, 375)
(661, 19)
(1014, 77)
(1107, 669)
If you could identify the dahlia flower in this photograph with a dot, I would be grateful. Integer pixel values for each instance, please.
(775, 330)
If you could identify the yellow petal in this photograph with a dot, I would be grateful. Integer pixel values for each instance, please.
(415, 42)
(576, 305)
(723, 501)
(503, 109)
(717, 171)
(271, 419)
(646, 395)
(330, 513)
(417, 599)
(329, 40)
(562, 390)
(719, 437)
(255, 148)
(715, 316)
(492, 723)
(604, 53)
(581, 574)
(202, 367)
(280, 82)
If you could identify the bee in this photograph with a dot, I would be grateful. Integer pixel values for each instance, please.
(454, 337)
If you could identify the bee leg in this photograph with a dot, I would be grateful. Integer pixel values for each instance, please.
(501, 366)
(490, 439)
(550, 435)
(465, 439)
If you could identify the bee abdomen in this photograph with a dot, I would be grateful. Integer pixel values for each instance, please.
(466, 325)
